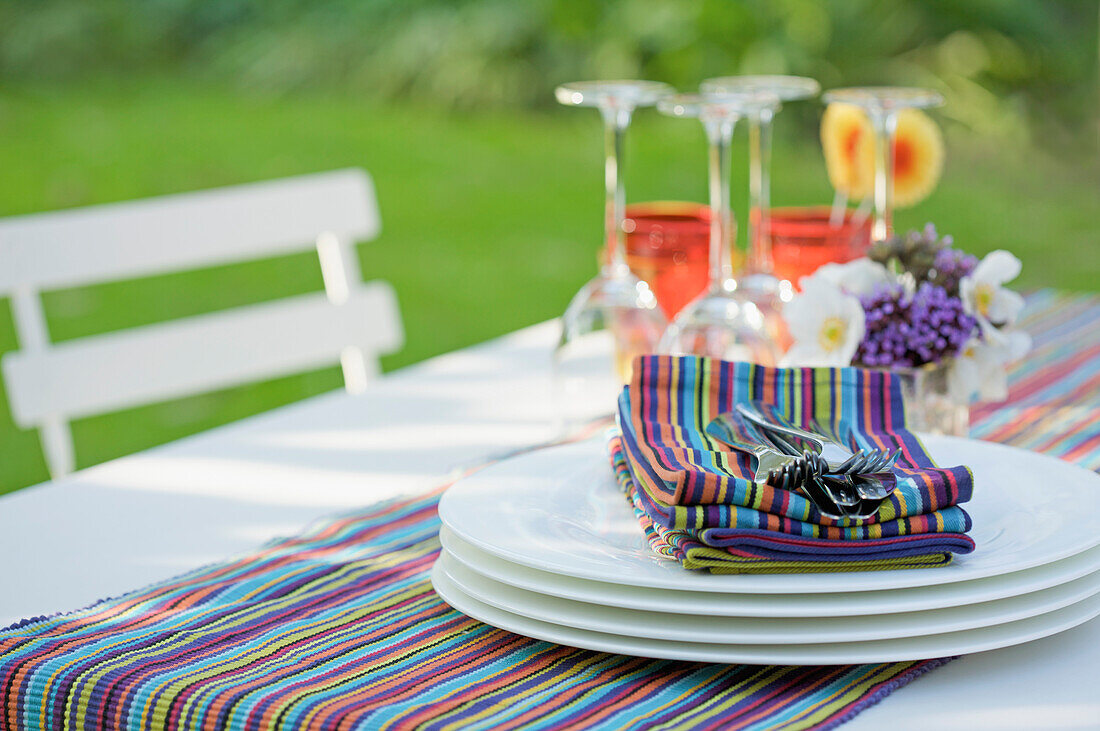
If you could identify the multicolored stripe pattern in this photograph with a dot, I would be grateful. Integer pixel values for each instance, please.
(670, 401)
(339, 628)
(760, 551)
(1054, 393)
(702, 482)
(794, 514)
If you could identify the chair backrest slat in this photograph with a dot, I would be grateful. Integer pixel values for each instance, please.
(156, 362)
(188, 230)
(350, 322)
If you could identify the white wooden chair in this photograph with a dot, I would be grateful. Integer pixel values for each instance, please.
(351, 321)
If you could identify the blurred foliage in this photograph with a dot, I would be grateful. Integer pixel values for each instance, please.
(1009, 68)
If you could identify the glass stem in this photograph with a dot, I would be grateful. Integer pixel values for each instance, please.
(760, 160)
(616, 120)
(719, 136)
(884, 123)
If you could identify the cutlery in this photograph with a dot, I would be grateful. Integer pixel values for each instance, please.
(777, 465)
(874, 486)
(733, 430)
(839, 458)
(853, 493)
(833, 498)
(841, 492)
(799, 476)
(885, 460)
(781, 463)
(862, 509)
(769, 418)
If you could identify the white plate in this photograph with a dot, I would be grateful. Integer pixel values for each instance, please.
(559, 510)
(762, 630)
(840, 653)
(779, 605)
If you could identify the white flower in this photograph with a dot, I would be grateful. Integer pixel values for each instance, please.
(859, 276)
(1013, 343)
(826, 324)
(985, 298)
(981, 367)
(1018, 343)
(978, 368)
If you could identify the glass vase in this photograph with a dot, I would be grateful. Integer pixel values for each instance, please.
(929, 406)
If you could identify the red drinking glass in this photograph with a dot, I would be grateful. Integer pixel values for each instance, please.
(667, 245)
(803, 239)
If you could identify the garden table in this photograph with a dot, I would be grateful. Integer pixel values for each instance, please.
(142, 518)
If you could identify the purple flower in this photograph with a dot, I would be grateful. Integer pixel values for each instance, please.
(905, 330)
(949, 267)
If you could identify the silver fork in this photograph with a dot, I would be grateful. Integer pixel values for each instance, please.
(848, 490)
(733, 430)
(774, 464)
(799, 476)
(834, 498)
(856, 495)
(880, 463)
(771, 421)
(839, 458)
(874, 486)
(840, 492)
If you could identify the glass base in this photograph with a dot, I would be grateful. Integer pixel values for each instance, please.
(609, 322)
(608, 293)
(720, 325)
(622, 305)
(757, 284)
(769, 293)
(587, 379)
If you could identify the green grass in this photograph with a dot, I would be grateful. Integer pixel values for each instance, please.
(490, 221)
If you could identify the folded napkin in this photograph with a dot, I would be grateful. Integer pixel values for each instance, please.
(763, 507)
(667, 406)
(696, 499)
(749, 550)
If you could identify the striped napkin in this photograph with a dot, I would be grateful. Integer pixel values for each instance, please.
(696, 499)
(748, 550)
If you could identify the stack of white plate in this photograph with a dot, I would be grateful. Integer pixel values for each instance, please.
(545, 545)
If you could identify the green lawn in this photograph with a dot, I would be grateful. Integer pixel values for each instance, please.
(490, 220)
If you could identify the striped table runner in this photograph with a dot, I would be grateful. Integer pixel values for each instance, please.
(339, 628)
(1054, 395)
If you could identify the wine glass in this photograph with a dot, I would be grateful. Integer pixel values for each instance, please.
(882, 103)
(760, 275)
(722, 322)
(615, 316)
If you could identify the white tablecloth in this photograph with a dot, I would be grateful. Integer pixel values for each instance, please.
(127, 523)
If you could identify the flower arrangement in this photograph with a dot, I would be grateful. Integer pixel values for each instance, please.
(914, 302)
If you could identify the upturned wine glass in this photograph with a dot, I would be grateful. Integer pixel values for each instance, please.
(615, 316)
(759, 273)
(722, 322)
(882, 104)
